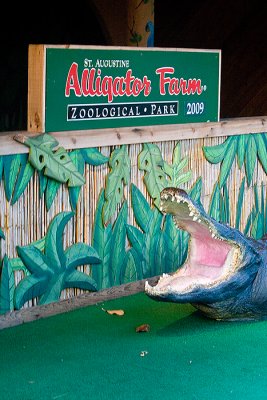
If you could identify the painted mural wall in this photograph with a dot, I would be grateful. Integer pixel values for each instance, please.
(87, 219)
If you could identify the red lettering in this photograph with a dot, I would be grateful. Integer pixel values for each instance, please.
(173, 86)
(147, 86)
(87, 80)
(98, 89)
(72, 82)
(194, 86)
(107, 87)
(128, 80)
(92, 84)
(117, 86)
(162, 79)
(183, 86)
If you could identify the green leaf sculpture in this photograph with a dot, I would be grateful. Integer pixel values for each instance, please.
(54, 269)
(259, 220)
(7, 287)
(93, 156)
(158, 173)
(119, 176)
(74, 192)
(17, 174)
(109, 241)
(23, 178)
(174, 170)
(215, 203)
(239, 204)
(246, 148)
(12, 164)
(250, 158)
(102, 243)
(56, 164)
(158, 246)
(2, 235)
(150, 160)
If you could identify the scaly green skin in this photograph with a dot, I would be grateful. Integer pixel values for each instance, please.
(225, 274)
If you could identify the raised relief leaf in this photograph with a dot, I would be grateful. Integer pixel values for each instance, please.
(228, 161)
(215, 154)
(118, 177)
(7, 287)
(2, 235)
(56, 163)
(239, 204)
(261, 141)
(102, 236)
(241, 149)
(215, 203)
(25, 174)
(250, 158)
(150, 160)
(93, 156)
(174, 170)
(52, 188)
(54, 269)
(12, 165)
(74, 192)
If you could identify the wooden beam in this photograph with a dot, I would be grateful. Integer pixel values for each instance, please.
(157, 133)
(36, 95)
(34, 313)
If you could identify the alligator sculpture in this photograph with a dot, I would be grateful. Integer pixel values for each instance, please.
(225, 273)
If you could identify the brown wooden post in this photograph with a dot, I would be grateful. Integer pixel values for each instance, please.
(140, 23)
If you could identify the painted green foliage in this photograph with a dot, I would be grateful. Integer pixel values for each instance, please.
(159, 174)
(55, 269)
(55, 164)
(148, 254)
(118, 177)
(157, 246)
(122, 251)
(109, 242)
(246, 148)
(17, 170)
(257, 219)
(2, 235)
(256, 223)
(7, 286)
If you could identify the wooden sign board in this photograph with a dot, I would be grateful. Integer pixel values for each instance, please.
(85, 87)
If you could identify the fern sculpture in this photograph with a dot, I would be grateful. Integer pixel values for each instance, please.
(54, 269)
(53, 167)
(157, 246)
(158, 173)
(109, 241)
(256, 223)
(7, 286)
(116, 179)
(246, 148)
(2, 235)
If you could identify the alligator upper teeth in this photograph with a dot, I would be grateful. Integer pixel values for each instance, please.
(192, 212)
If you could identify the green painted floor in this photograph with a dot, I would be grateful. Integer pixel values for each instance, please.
(89, 354)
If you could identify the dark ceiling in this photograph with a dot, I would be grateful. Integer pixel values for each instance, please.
(237, 27)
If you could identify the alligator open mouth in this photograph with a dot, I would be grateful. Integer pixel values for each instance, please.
(212, 257)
